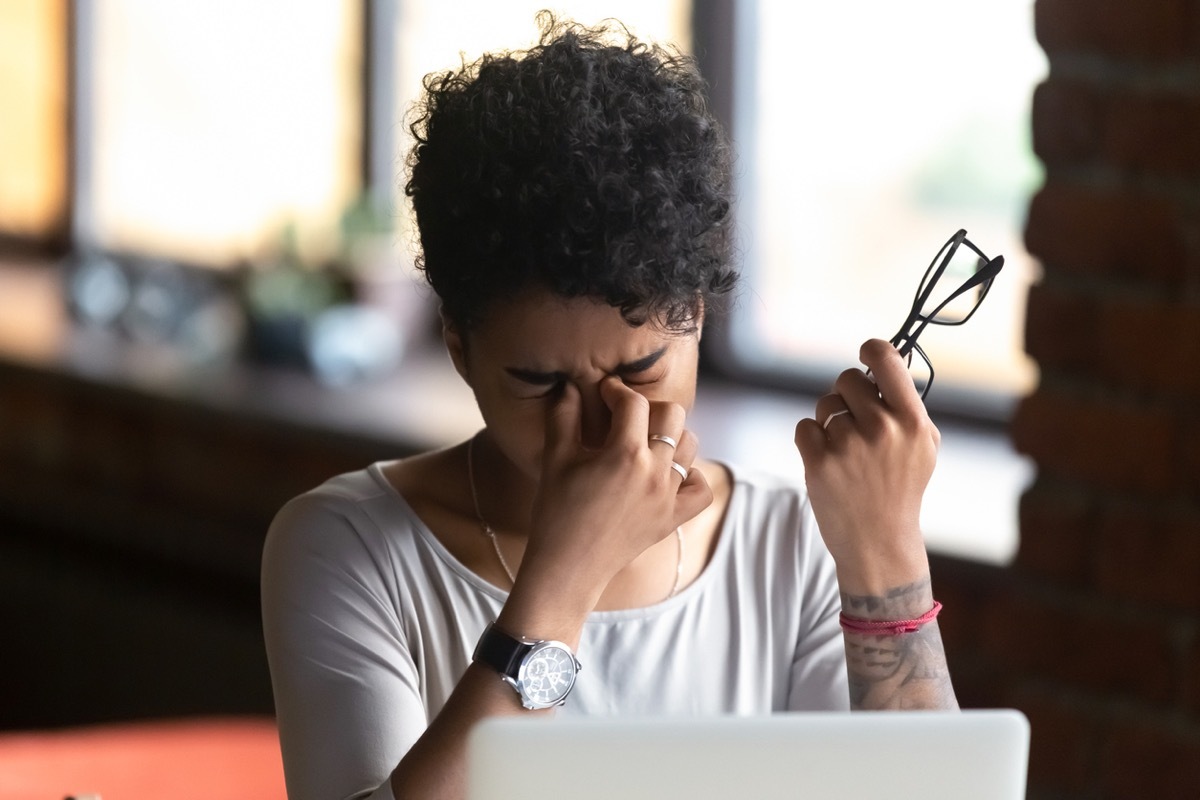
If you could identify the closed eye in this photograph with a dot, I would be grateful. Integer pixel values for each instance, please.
(635, 373)
(548, 382)
(543, 385)
(553, 389)
(644, 379)
(631, 372)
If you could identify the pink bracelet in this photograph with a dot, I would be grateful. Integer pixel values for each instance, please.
(870, 627)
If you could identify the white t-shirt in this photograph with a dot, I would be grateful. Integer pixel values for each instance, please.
(370, 622)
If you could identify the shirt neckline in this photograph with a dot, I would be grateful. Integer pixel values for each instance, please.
(719, 556)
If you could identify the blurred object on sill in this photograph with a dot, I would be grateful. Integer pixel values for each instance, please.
(187, 309)
(283, 294)
(98, 290)
(348, 320)
(346, 315)
(350, 343)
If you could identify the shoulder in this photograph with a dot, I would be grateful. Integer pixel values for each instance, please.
(430, 484)
(350, 515)
(341, 497)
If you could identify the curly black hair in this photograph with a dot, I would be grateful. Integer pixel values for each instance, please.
(581, 166)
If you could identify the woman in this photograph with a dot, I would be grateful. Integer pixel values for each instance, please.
(573, 207)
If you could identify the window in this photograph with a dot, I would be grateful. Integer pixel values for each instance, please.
(432, 36)
(33, 133)
(211, 128)
(216, 125)
(865, 134)
(868, 134)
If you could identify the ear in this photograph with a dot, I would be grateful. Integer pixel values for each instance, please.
(456, 344)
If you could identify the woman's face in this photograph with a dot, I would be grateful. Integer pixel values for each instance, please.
(519, 358)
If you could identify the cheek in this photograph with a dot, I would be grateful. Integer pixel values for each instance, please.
(520, 432)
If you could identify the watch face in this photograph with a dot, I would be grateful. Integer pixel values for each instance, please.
(547, 675)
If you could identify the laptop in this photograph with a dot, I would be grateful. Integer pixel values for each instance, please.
(930, 755)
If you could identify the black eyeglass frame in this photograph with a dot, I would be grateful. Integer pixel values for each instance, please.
(905, 339)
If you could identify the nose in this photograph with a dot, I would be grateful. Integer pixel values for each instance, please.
(596, 418)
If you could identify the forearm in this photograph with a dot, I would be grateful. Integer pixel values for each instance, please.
(435, 766)
(896, 671)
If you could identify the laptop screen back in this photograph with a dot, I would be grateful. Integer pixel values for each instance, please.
(928, 755)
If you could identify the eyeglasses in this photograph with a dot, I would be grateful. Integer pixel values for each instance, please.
(960, 263)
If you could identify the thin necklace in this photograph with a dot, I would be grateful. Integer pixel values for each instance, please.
(487, 529)
(490, 533)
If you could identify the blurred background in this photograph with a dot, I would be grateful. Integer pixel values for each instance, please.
(208, 305)
(268, 140)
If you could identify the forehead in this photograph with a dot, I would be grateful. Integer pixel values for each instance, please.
(540, 326)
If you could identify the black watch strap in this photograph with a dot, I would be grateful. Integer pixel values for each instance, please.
(501, 651)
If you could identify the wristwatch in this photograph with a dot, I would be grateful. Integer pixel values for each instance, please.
(542, 672)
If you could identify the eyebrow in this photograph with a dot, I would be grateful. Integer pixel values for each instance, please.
(537, 378)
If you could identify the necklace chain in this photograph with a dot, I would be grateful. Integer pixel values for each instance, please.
(487, 529)
(490, 532)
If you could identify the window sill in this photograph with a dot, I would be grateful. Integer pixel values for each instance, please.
(970, 509)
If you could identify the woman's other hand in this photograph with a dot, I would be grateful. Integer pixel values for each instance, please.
(868, 457)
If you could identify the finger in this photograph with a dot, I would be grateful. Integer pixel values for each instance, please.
(892, 379)
(563, 423)
(827, 407)
(830, 417)
(662, 440)
(812, 434)
(685, 454)
(811, 441)
(630, 413)
(666, 419)
(860, 396)
(694, 496)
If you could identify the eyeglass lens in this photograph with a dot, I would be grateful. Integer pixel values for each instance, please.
(943, 306)
(951, 290)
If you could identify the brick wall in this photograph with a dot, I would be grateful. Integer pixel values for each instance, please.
(1095, 634)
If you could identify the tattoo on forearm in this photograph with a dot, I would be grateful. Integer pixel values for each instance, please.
(901, 602)
(897, 672)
